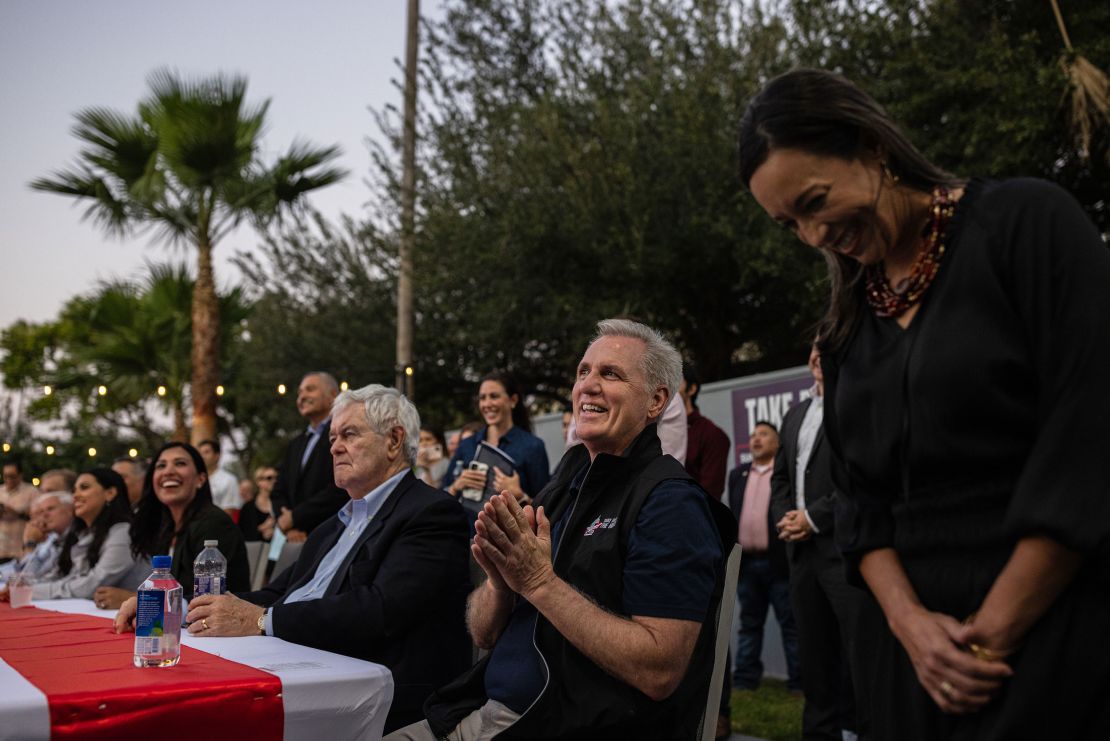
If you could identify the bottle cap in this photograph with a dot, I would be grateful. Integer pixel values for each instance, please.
(161, 562)
(211, 543)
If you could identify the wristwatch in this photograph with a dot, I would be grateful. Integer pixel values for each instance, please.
(262, 624)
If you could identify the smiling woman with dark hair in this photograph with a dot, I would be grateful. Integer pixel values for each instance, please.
(176, 515)
(964, 354)
(96, 551)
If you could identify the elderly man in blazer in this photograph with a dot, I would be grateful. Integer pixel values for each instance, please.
(385, 579)
(825, 606)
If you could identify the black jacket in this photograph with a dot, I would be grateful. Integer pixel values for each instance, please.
(399, 599)
(776, 549)
(580, 700)
(310, 492)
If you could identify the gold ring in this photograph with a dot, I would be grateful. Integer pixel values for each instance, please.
(204, 624)
(946, 688)
(986, 654)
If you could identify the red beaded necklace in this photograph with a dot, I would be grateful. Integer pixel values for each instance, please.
(886, 300)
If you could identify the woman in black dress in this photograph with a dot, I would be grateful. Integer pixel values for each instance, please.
(964, 351)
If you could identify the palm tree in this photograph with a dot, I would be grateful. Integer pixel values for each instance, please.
(187, 165)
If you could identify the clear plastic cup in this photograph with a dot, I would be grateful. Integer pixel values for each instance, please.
(20, 590)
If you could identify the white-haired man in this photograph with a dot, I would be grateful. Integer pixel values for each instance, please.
(596, 601)
(385, 579)
(52, 516)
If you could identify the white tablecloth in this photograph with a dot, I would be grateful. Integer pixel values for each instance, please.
(327, 697)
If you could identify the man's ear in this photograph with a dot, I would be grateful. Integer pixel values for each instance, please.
(658, 402)
(396, 444)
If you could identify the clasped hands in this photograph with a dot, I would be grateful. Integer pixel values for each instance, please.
(210, 615)
(513, 545)
(957, 663)
(794, 526)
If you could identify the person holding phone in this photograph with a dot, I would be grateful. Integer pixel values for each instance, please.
(508, 428)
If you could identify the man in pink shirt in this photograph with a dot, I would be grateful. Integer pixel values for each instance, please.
(764, 574)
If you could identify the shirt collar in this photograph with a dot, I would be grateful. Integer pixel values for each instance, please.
(316, 430)
(368, 506)
(761, 469)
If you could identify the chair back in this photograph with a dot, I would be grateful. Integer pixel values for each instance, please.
(726, 610)
(289, 553)
(256, 559)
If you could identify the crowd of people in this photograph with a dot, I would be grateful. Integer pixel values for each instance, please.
(929, 524)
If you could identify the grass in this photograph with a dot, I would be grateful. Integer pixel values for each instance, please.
(770, 712)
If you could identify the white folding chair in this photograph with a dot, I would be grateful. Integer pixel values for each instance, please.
(289, 553)
(725, 612)
(256, 557)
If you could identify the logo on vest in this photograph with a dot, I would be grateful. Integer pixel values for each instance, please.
(599, 524)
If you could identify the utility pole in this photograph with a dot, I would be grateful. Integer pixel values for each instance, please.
(404, 379)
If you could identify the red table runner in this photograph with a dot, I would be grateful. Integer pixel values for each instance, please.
(95, 692)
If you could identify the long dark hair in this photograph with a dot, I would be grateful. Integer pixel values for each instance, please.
(116, 510)
(825, 114)
(153, 527)
(521, 418)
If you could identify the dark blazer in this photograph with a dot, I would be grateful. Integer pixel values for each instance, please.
(311, 492)
(819, 499)
(399, 599)
(776, 551)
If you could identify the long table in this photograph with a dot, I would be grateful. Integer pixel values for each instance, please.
(324, 696)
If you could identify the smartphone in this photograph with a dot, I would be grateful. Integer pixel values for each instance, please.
(475, 495)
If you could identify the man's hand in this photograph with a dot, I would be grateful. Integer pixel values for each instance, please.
(110, 598)
(223, 615)
(516, 542)
(296, 536)
(266, 529)
(285, 520)
(794, 526)
(32, 533)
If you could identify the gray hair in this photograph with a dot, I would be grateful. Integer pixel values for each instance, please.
(385, 409)
(661, 364)
(327, 378)
(64, 497)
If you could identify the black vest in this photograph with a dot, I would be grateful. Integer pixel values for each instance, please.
(580, 700)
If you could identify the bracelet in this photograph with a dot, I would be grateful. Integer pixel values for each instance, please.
(987, 654)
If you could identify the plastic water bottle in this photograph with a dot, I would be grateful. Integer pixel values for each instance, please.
(158, 618)
(209, 570)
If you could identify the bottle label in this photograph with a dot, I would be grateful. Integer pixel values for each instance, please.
(213, 584)
(150, 621)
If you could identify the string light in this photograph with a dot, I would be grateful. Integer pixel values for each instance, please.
(408, 370)
(343, 386)
(219, 391)
(133, 453)
(161, 390)
(92, 452)
(35, 481)
(47, 390)
(102, 390)
(50, 450)
(281, 389)
(7, 447)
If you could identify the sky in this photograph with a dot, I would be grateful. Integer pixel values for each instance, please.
(322, 64)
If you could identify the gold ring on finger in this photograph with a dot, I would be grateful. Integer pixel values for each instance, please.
(947, 688)
(204, 624)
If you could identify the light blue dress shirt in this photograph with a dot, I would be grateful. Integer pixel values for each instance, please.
(355, 516)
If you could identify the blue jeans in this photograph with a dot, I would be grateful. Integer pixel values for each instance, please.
(758, 589)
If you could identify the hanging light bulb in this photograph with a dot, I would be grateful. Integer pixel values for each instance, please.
(47, 390)
(343, 386)
(281, 389)
(7, 447)
(35, 481)
(161, 390)
(102, 390)
(50, 450)
(92, 452)
(219, 391)
(133, 452)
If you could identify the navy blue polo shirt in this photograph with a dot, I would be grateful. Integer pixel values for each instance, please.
(673, 556)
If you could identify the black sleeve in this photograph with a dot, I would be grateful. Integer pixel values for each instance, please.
(318, 507)
(411, 579)
(782, 494)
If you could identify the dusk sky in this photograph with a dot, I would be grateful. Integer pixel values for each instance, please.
(322, 64)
